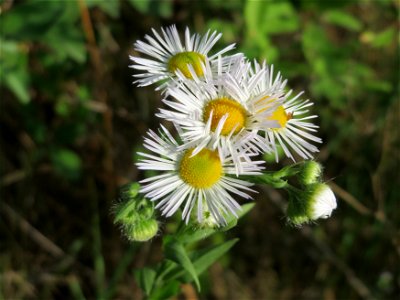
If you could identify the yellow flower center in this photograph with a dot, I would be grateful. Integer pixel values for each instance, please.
(281, 116)
(202, 170)
(180, 61)
(222, 106)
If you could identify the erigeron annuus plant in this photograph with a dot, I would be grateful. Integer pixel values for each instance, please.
(227, 112)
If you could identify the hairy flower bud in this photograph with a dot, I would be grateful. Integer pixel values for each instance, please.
(141, 231)
(310, 172)
(317, 201)
(135, 214)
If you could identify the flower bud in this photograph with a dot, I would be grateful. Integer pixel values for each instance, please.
(135, 214)
(317, 201)
(130, 191)
(310, 172)
(297, 212)
(141, 231)
(322, 201)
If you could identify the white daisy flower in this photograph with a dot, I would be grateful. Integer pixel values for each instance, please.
(203, 180)
(221, 112)
(168, 55)
(295, 132)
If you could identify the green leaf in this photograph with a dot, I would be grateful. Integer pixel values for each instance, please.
(145, 278)
(192, 234)
(253, 16)
(153, 7)
(31, 20)
(232, 220)
(384, 38)
(229, 29)
(343, 19)
(14, 69)
(175, 251)
(260, 46)
(202, 260)
(141, 5)
(66, 163)
(211, 255)
(18, 86)
(109, 7)
(167, 291)
(265, 17)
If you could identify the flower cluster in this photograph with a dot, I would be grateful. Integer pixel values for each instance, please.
(226, 111)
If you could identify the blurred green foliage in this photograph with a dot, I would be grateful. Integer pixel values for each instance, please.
(71, 120)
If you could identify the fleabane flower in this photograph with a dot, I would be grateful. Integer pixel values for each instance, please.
(295, 132)
(317, 201)
(203, 180)
(168, 55)
(220, 112)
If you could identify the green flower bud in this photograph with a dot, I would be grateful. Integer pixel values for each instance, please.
(135, 214)
(125, 212)
(141, 231)
(145, 208)
(130, 191)
(310, 172)
(297, 212)
(317, 201)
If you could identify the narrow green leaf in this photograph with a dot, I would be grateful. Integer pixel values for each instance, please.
(145, 278)
(343, 19)
(232, 220)
(384, 38)
(167, 291)
(192, 234)
(203, 262)
(75, 288)
(175, 251)
(253, 14)
(153, 7)
(109, 7)
(142, 6)
(19, 86)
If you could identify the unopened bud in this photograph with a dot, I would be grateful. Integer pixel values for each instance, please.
(317, 201)
(130, 191)
(322, 200)
(310, 172)
(141, 231)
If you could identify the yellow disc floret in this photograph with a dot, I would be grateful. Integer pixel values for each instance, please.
(281, 116)
(202, 170)
(180, 61)
(222, 106)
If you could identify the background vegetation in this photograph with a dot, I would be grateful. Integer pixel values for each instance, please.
(71, 122)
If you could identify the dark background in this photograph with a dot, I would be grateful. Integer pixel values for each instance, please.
(71, 122)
